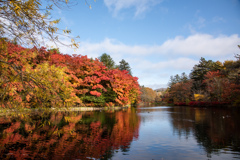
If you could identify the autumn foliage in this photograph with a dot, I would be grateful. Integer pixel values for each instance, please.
(37, 77)
(148, 94)
(210, 84)
(67, 135)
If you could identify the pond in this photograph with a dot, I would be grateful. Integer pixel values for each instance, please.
(159, 133)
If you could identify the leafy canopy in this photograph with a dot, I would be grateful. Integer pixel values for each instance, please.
(28, 22)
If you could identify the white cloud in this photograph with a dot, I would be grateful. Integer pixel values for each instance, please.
(202, 45)
(159, 73)
(194, 45)
(114, 47)
(140, 5)
(175, 64)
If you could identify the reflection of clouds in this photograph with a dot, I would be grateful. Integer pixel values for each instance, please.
(156, 140)
(162, 136)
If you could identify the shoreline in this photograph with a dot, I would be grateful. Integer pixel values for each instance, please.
(6, 111)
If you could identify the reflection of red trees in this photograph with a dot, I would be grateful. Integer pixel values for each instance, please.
(123, 132)
(63, 136)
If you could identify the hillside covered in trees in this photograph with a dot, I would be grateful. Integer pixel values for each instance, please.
(209, 84)
(46, 78)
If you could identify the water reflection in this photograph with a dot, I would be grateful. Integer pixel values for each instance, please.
(216, 130)
(186, 133)
(142, 133)
(67, 135)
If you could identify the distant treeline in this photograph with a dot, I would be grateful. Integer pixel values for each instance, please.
(209, 84)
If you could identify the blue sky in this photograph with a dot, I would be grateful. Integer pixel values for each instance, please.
(158, 38)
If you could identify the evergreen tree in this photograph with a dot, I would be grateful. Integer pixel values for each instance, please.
(125, 66)
(177, 79)
(107, 60)
(184, 78)
(199, 71)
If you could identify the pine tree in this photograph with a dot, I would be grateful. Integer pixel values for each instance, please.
(125, 66)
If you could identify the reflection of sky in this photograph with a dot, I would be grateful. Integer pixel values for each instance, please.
(157, 140)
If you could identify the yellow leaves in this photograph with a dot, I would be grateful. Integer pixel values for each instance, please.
(67, 119)
(198, 97)
(74, 44)
(17, 10)
(52, 84)
(28, 22)
(54, 22)
(38, 3)
(67, 31)
(46, 122)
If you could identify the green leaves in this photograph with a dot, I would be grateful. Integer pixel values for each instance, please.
(107, 60)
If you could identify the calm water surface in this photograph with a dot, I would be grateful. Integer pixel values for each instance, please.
(160, 133)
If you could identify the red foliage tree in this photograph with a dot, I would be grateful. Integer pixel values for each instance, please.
(95, 84)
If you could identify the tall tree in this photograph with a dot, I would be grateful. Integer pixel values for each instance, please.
(107, 60)
(176, 79)
(125, 66)
(184, 77)
(198, 72)
(28, 22)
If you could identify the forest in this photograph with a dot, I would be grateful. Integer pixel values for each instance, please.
(208, 84)
(37, 77)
